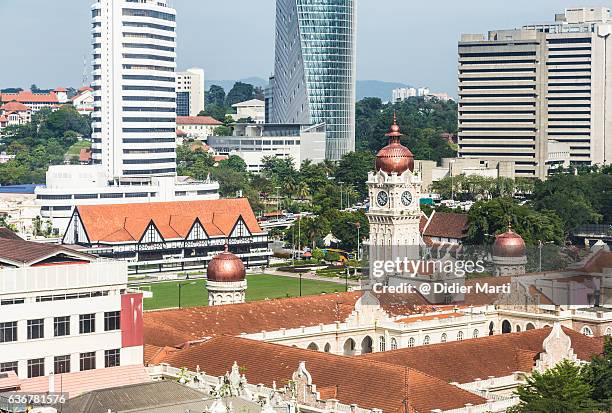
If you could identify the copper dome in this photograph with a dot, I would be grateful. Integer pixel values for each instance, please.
(394, 157)
(226, 267)
(510, 245)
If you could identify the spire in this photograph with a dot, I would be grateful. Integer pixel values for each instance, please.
(394, 133)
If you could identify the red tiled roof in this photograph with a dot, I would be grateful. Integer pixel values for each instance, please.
(180, 132)
(15, 107)
(3, 119)
(127, 222)
(179, 326)
(29, 97)
(197, 120)
(600, 260)
(447, 225)
(498, 355)
(351, 380)
(85, 155)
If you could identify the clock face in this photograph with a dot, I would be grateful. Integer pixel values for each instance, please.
(407, 198)
(382, 198)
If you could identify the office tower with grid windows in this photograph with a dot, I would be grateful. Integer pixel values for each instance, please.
(314, 71)
(535, 94)
(134, 119)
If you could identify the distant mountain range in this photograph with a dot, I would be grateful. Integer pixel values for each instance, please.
(365, 88)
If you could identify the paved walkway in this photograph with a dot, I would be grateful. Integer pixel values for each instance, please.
(310, 276)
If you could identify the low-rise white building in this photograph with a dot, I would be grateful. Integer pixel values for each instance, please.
(254, 142)
(64, 312)
(68, 186)
(195, 127)
(254, 109)
(84, 101)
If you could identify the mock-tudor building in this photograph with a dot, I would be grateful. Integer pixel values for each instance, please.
(165, 236)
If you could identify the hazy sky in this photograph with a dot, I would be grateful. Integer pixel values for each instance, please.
(411, 41)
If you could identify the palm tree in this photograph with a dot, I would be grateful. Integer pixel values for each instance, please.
(303, 191)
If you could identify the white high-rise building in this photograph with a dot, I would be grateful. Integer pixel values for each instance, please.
(190, 86)
(315, 68)
(134, 118)
(522, 92)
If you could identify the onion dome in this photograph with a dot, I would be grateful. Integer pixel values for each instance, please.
(509, 244)
(226, 267)
(394, 157)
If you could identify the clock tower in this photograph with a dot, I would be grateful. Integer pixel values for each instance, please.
(394, 192)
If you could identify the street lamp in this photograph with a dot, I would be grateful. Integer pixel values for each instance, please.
(358, 226)
(341, 188)
(180, 285)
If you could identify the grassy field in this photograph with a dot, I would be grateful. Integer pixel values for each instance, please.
(75, 149)
(260, 287)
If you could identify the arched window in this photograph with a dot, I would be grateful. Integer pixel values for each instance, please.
(327, 348)
(411, 342)
(382, 345)
(366, 345)
(587, 331)
(475, 334)
(529, 326)
(349, 347)
(609, 331)
(506, 327)
(393, 343)
(313, 346)
(460, 336)
(491, 328)
(426, 340)
(443, 338)
(518, 328)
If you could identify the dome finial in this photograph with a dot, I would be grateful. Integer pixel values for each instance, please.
(394, 133)
(225, 247)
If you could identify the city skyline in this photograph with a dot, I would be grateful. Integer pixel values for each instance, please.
(417, 63)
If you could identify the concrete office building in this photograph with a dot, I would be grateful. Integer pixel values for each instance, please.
(254, 142)
(64, 312)
(314, 73)
(190, 86)
(522, 89)
(134, 117)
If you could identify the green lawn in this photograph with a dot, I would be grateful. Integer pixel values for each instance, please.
(260, 287)
(75, 149)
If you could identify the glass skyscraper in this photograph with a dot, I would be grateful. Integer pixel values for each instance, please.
(314, 75)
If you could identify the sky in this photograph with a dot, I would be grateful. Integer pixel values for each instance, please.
(408, 41)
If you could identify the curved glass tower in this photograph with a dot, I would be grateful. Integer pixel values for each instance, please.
(314, 75)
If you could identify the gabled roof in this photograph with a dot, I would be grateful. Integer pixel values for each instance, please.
(128, 222)
(6, 233)
(22, 253)
(446, 225)
(479, 358)
(351, 380)
(197, 120)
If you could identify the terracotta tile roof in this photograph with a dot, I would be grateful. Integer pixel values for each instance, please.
(127, 222)
(19, 252)
(60, 89)
(6, 233)
(29, 97)
(197, 120)
(446, 225)
(367, 383)
(3, 119)
(600, 260)
(498, 355)
(15, 107)
(180, 132)
(178, 326)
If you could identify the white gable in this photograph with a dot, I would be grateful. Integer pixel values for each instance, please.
(151, 235)
(197, 232)
(240, 230)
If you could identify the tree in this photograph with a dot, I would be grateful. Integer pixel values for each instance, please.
(215, 96)
(239, 93)
(344, 227)
(487, 218)
(235, 163)
(222, 131)
(353, 170)
(561, 389)
(598, 374)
